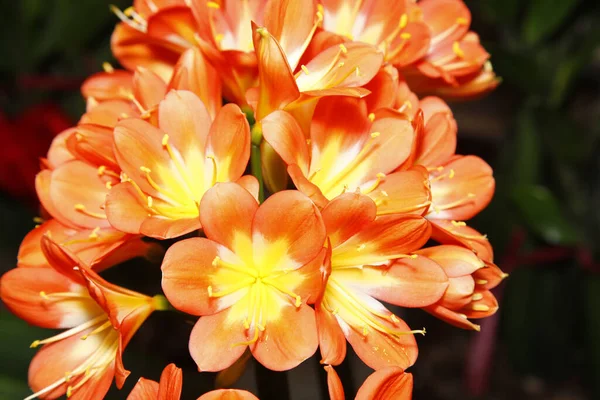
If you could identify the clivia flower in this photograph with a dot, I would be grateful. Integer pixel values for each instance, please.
(169, 388)
(373, 259)
(456, 64)
(167, 169)
(351, 150)
(250, 279)
(470, 280)
(394, 27)
(100, 319)
(386, 383)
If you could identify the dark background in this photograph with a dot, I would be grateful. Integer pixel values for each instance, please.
(539, 130)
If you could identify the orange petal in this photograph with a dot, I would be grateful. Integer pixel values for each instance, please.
(305, 186)
(411, 45)
(189, 269)
(25, 292)
(53, 361)
(379, 348)
(194, 73)
(228, 394)
(453, 318)
(403, 192)
(58, 153)
(458, 233)
(94, 144)
(80, 192)
(148, 88)
(124, 208)
(466, 190)
(350, 65)
(292, 217)
(448, 20)
(484, 307)
(174, 27)
(277, 85)
(292, 24)
(250, 183)
(406, 282)
(62, 259)
(282, 132)
(133, 48)
(30, 252)
(229, 143)
(456, 261)
(170, 383)
(144, 389)
(109, 113)
(292, 337)
(459, 292)
(346, 215)
(334, 384)
(226, 213)
(42, 188)
(331, 338)
(383, 88)
(386, 238)
(387, 383)
(212, 342)
(491, 274)
(438, 144)
(112, 85)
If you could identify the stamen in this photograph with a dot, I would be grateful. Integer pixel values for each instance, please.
(405, 35)
(243, 269)
(457, 50)
(94, 233)
(97, 330)
(403, 21)
(213, 5)
(70, 332)
(480, 307)
(232, 289)
(468, 199)
(371, 117)
(477, 297)
(375, 184)
(214, 165)
(297, 299)
(303, 67)
(81, 208)
(343, 49)
(481, 281)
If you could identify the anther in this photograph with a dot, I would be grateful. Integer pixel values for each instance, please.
(457, 50)
(403, 21)
(298, 302)
(108, 185)
(44, 295)
(212, 4)
(375, 134)
(343, 49)
(462, 21)
(480, 307)
(165, 140)
(304, 69)
(361, 247)
(149, 201)
(101, 170)
(477, 297)
(107, 67)
(34, 344)
(405, 35)
(481, 281)
(371, 117)
(210, 291)
(94, 233)
(145, 169)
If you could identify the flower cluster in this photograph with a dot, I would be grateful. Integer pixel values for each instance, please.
(309, 198)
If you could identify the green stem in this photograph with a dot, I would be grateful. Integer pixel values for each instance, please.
(255, 161)
(256, 168)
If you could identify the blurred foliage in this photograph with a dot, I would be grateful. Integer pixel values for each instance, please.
(548, 182)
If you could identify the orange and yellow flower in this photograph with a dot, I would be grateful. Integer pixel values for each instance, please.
(456, 65)
(470, 280)
(100, 319)
(167, 169)
(250, 279)
(372, 259)
(350, 149)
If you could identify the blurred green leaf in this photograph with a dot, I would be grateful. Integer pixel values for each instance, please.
(542, 213)
(527, 149)
(519, 68)
(501, 11)
(544, 17)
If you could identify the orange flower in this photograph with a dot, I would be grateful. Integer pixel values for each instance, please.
(167, 170)
(100, 317)
(468, 294)
(153, 34)
(225, 36)
(251, 279)
(456, 64)
(461, 186)
(169, 388)
(386, 383)
(393, 27)
(351, 150)
(339, 70)
(371, 261)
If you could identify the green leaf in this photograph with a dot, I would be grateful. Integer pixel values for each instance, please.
(542, 213)
(544, 17)
(527, 148)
